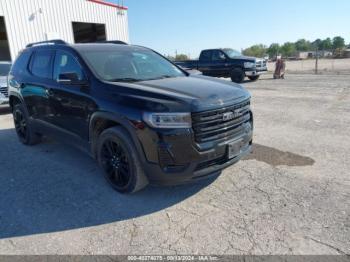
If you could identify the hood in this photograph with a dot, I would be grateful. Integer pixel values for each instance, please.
(199, 93)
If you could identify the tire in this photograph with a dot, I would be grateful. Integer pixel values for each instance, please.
(118, 158)
(23, 127)
(237, 75)
(253, 78)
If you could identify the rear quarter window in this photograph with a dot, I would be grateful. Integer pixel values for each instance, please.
(206, 55)
(21, 64)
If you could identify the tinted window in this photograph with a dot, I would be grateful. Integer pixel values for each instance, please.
(130, 64)
(218, 56)
(232, 53)
(65, 63)
(206, 55)
(42, 64)
(21, 63)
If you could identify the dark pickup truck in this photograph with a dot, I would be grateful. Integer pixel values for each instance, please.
(226, 63)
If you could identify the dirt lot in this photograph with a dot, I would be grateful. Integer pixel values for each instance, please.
(291, 196)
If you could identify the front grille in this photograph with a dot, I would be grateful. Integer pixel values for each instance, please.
(4, 91)
(261, 64)
(212, 126)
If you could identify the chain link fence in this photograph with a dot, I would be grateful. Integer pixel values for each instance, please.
(325, 66)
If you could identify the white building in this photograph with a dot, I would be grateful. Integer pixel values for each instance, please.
(74, 21)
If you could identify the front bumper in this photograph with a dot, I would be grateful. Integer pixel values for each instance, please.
(176, 159)
(256, 72)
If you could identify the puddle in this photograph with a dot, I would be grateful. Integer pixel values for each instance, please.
(275, 157)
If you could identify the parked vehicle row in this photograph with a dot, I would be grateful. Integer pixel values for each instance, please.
(4, 71)
(143, 118)
(227, 63)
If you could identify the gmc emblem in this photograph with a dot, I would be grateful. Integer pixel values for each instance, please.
(231, 115)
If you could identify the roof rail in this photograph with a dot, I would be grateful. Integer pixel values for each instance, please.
(49, 42)
(117, 42)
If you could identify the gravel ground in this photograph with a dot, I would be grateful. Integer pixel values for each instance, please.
(290, 196)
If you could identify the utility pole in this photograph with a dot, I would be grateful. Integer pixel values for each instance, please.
(316, 65)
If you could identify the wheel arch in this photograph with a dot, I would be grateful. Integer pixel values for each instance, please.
(101, 121)
(14, 100)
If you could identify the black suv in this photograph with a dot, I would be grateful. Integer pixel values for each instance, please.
(143, 118)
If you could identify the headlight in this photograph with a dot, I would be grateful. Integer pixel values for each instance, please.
(249, 64)
(168, 120)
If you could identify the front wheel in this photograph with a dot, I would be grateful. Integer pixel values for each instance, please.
(253, 78)
(237, 75)
(120, 162)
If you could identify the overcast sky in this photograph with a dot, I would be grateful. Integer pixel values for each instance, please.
(191, 25)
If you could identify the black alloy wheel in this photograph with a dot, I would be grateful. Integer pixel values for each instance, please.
(24, 130)
(20, 124)
(115, 162)
(117, 155)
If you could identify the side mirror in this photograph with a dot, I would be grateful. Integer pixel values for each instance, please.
(70, 79)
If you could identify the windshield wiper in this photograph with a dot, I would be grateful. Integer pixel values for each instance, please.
(159, 77)
(130, 79)
(125, 79)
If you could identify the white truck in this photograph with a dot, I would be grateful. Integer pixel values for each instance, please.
(4, 71)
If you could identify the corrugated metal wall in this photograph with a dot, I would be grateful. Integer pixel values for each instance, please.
(30, 21)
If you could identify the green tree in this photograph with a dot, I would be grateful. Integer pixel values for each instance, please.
(288, 49)
(317, 44)
(273, 50)
(338, 43)
(181, 57)
(326, 44)
(302, 45)
(256, 51)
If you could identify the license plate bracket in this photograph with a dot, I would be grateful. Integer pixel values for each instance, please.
(234, 149)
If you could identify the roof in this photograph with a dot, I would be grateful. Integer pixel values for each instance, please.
(83, 47)
(108, 4)
(61, 43)
(104, 47)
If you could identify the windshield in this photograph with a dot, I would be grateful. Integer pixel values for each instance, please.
(4, 69)
(130, 65)
(232, 53)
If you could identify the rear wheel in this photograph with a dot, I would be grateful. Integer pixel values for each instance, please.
(253, 78)
(237, 75)
(119, 160)
(23, 126)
